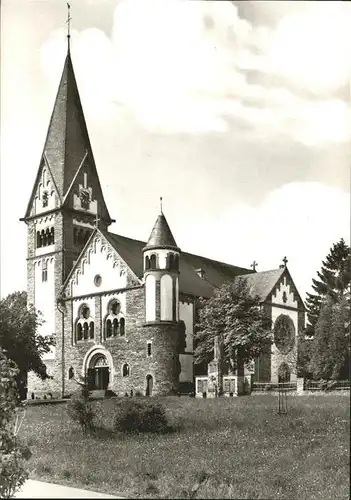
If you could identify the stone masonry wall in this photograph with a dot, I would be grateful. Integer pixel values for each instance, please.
(130, 348)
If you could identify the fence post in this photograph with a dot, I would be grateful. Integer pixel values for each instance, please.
(300, 385)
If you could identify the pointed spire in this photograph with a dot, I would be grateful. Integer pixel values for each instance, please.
(161, 236)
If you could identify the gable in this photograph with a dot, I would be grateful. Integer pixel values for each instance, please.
(86, 181)
(99, 268)
(44, 195)
(285, 292)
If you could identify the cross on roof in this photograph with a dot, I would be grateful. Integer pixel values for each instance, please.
(68, 22)
(161, 204)
(285, 260)
(254, 265)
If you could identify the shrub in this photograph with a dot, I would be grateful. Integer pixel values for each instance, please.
(140, 416)
(12, 453)
(80, 411)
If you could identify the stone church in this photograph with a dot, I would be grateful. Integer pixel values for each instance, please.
(113, 303)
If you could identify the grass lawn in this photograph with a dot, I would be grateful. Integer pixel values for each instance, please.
(245, 447)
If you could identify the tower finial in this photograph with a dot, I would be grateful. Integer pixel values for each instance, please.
(68, 25)
(161, 204)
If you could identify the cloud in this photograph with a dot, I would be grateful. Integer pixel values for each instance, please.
(180, 66)
(299, 220)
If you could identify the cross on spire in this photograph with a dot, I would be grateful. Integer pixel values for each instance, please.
(68, 22)
(254, 265)
(161, 204)
(285, 260)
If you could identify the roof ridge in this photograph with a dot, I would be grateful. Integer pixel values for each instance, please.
(188, 253)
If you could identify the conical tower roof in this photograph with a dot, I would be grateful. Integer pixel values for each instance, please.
(161, 236)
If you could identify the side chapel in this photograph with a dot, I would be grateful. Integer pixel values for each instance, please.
(114, 303)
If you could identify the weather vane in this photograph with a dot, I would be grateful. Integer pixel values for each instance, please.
(68, 23)
(161, 204)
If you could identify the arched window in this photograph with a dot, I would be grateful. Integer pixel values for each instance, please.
(43, 238)
(125, 370)
(114, 320)
(91, 330)
(176, 262)
(108, 328)
(115, 327)
(71, 373)
(85, 324)
(45, 199)
(122, 326)
(80, 236)
(38, 239)
(85, 330)
(153, 261)
(147, 263)
(79, 332)
(170, 261)
(149, 352)
(52, 235)
(48, 236)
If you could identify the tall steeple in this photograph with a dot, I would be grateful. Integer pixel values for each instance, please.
(67, 149)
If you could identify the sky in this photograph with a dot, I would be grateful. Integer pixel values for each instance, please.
(236, 113)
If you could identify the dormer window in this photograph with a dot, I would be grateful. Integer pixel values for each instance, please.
(200, 272)
(45, 199)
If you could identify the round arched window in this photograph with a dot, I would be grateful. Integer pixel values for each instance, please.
(114, 307)
(85, 312)
(284, 333)
(97, 280)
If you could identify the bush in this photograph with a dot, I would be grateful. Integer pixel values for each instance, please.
(12, 453)
(80, 411)
(140, 416)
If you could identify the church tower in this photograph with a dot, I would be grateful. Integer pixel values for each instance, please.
(161, 274)
(65, 204)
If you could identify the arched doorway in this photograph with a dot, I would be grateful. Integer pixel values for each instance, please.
(98, 373)
(283, 373)
(149, 385)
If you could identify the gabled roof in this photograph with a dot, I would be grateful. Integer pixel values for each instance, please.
(215, 272)
(67, 141)
(262, 283)
(161, 236)
(83, 252)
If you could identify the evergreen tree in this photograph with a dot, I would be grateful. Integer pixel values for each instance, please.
(330, 347)
(340, 343)
(321, 359)
(333, 281)
(238, 319)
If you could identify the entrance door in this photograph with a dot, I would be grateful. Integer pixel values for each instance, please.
(98, 374)
(149, 385)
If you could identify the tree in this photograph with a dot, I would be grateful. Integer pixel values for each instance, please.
(18, 337)
(12, 453)
(237, 317)
(321, 359)
(331, 349)
(333, 281)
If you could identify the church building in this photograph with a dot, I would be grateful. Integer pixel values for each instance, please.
(115, 304)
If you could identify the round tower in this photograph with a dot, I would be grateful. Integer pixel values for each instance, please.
(161, 275)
